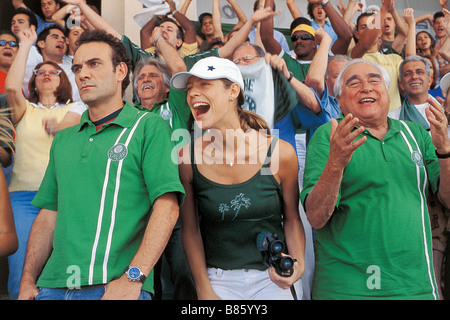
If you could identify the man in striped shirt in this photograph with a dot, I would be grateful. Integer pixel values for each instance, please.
(365, 185)
(110, 196)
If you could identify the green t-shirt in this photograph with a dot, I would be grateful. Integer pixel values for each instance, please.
(174, 109)
(377, 243)
(103, 184)
(300, 70)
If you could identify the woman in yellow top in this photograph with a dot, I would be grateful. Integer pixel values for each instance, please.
(36, 120)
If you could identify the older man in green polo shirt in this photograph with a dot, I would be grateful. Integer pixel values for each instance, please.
(110, 194)
(365, 185)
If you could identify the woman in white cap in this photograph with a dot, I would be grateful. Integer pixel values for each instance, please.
(241, 189)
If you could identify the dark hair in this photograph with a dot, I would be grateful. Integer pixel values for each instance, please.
(437, 15)
(9, 32)
(310, 9)
(64, 91)
(298, 21)
(180, 32)
(247, 119)
(204, 15)
(433, 42)
(118, 51)
(31, 17)
(42, 36)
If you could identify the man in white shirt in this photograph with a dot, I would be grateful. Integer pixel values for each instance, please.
(415, 81)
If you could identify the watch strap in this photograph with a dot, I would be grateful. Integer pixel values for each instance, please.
(141, 278)
(442, 156)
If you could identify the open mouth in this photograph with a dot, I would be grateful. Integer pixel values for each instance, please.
(7, 54)
(200, 108)
(147, 86)
(415, 84)
(367, 101)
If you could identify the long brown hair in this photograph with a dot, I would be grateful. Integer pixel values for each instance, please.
(247, 119)
(64, 91)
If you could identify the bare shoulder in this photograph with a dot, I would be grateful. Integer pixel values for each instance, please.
(284, 163)
(184, 163)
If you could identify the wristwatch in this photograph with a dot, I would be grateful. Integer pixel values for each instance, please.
(324, 2)
(135, 274)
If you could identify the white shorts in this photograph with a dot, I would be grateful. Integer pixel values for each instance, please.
(246, 285)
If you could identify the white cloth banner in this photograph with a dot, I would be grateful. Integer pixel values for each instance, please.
(154, 8)
(259, 90)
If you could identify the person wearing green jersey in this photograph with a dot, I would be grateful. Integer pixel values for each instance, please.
(364, 191)
(109, 198)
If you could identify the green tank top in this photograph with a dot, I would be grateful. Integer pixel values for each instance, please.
(232, 216)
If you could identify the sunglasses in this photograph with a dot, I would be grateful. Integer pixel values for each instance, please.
(11, 43)
(42, 73)
(303, 37)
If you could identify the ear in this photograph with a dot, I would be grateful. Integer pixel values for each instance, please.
(41, 44)
(179, 43)
(235, 91)
(121, 71)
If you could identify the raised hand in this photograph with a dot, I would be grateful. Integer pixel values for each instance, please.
(342, 144)
(438, 126)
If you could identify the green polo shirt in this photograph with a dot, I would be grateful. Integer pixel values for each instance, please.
(103, 184)
(173, 109)
(377, 243)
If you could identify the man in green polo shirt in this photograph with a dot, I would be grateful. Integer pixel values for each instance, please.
(110, 194)
(364, 192)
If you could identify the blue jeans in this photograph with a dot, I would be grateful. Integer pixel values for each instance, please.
(84, 293)
(24, 215)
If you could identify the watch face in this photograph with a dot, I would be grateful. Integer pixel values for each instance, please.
(134, 272)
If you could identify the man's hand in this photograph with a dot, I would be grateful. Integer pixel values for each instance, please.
(262, 14)
(122, 289)
(286, 282)
(27, 36)
(342, 145)
(28, 290)
(438, 127)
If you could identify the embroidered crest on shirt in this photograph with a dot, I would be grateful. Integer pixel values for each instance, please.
(166, 114)
(417, 158)
(118, 152)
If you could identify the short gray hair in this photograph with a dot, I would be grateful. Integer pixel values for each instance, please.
(415, 58)
(338, 57)
(339, 81)
(258, 50)
(164, 68)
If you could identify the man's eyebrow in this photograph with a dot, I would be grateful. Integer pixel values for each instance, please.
(353, 77)
(375, 75)
(76, 65)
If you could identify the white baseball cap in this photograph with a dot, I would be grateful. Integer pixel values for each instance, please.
(445, 84)
(209, 68)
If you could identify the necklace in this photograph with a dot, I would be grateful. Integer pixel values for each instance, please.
(231, 163)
